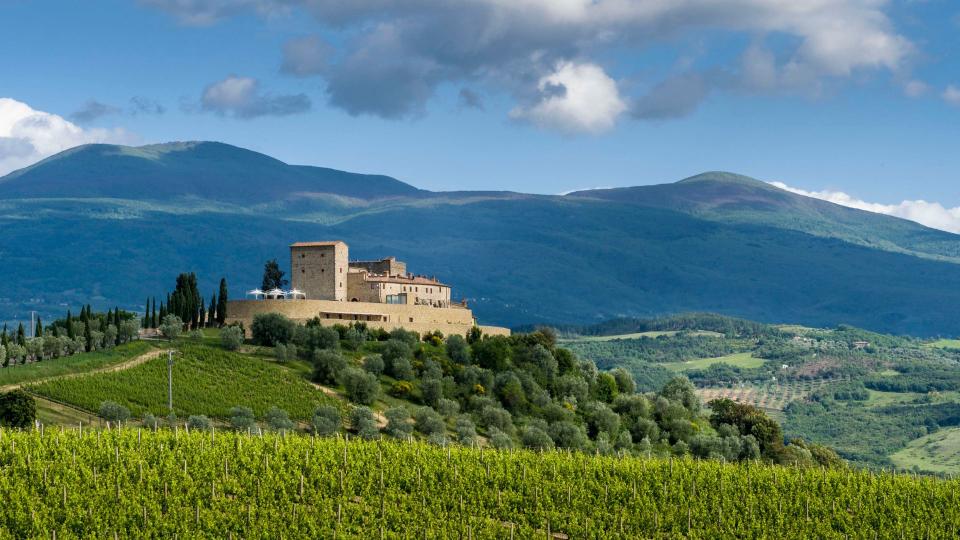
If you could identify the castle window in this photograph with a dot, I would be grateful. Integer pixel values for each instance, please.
(411, 319)
(322, 270)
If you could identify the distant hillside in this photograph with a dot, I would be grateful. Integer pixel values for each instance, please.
(76, 227)
(206, 170)
(733, 198)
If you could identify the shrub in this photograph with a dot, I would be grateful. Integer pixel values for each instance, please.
(286, 352)
(401, 389)
(231, 337)
(242, 419)
(398, 423)
(314, 337)
(492, 417)
(362, 387)
(363, 422)
(536, 439)
(458, 350)
(432, 391)
(114, 412)
(150, 421)
(466, 431)
(393, 350)
(326, 365)
(566, 434)
(278, 419)
(171, 327)
(499, 439)
(326, 420)
(271, 328)
(200, 422)
(428, 421)
(439, 439)
(401, 369)
(18, 409)
(373, 364)
(447, 407)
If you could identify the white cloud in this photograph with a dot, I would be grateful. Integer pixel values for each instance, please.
(930, 214)
(576, 98)
(241, 97)
(396, 53)
(28, 135)
(915, 88)
(951, 95)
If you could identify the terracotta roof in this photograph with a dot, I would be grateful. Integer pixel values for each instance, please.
(316, 244)
(416, 280)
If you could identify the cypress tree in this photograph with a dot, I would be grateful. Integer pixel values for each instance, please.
(203, 316)
(222, 302)
(70, 325)
(153, 322)
(21, 335)
(146, 314)
(212, 311)
(87, 335)
(4, 338)
(39, 330)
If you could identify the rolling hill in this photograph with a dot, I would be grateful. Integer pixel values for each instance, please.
(112, 225)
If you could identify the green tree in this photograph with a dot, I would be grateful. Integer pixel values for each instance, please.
(327, 365)
(278, 419)
(231, 337)
(114, 412)
(242, 418)
(361, 387)
(326, 420)
(398, 423)
(268, 329)
(18, 409)
(222, 302)
(171, 328)
(272, 276)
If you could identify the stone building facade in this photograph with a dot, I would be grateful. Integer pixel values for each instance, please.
(381, 294)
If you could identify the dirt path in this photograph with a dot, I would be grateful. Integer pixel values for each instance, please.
(126, 364)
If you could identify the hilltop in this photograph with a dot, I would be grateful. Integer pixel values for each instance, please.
(110, 224)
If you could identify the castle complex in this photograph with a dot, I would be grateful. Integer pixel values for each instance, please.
(381, 294)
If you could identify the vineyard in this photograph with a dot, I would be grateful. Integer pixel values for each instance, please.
(205, 484)
(771, 396)
(206, 381)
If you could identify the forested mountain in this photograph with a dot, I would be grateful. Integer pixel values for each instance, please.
(113, 224)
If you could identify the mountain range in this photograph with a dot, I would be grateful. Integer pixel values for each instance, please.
(111, 225)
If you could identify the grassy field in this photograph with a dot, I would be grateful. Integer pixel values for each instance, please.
(744, 360)
(80, 363)
(56, 414)
(639, 335)
(946, 344)
(206, 381)
(938, 452)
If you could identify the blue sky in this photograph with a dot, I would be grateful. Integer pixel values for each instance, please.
(546, 96)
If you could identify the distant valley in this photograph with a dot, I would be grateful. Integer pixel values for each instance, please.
(113, 225)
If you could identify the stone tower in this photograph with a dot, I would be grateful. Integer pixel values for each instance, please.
(319, 269)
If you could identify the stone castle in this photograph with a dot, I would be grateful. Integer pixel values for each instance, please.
(381, 294)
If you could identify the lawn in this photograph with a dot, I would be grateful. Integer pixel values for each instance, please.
(73, 364)
(206, 380)
(946, 344)
(938, 452)
(743, 360)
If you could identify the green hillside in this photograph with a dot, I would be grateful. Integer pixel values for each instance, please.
(204, 170)
(168, 484)
(879, 400)
(79, 223)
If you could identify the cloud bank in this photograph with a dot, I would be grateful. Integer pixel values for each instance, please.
(391, 56)
(28, 135)
(930, 214)
(241, 97)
